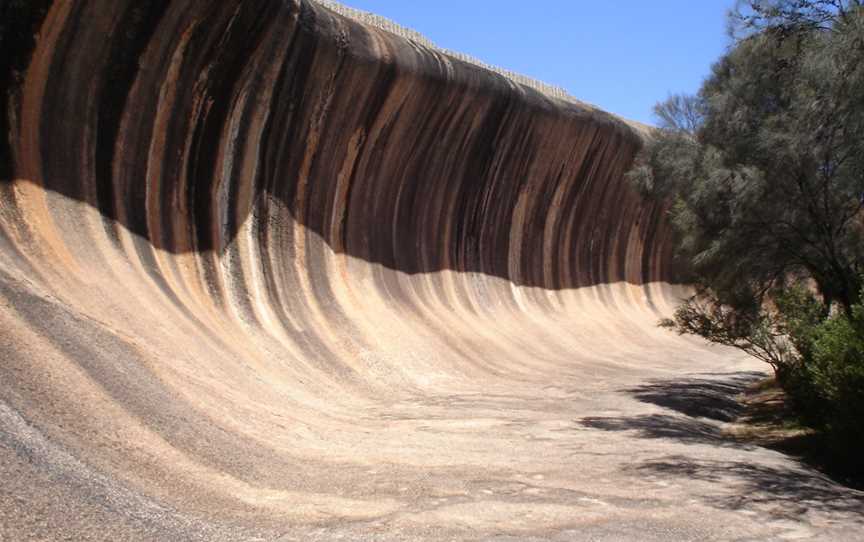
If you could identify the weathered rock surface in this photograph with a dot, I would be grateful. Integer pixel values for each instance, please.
(270, 273)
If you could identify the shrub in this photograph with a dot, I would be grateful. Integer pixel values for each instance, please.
(825, 380)
(836, 369)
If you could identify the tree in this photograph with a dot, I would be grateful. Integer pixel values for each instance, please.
(765, 171)
(765, 165)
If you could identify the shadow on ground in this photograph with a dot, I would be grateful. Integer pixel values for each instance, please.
(709, 395)
(696, 408)
(792, 492)
(703, 400)
(689, 431)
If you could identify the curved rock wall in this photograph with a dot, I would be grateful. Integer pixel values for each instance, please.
(262, 265)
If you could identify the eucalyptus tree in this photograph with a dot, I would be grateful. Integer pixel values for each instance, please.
(764, 172)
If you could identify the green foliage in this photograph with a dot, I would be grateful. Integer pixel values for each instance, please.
(827, 385)
(764, 170)
(799, 317)
(765, 166)
(837, 369)
(751, 16)
(757, 332)
(838, 355)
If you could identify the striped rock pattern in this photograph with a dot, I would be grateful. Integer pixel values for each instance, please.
(268, 272)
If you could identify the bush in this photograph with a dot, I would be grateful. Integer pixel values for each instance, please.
(836, 369)
(825, 381)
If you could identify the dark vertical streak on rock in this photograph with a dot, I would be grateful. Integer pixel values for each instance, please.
(134, 31)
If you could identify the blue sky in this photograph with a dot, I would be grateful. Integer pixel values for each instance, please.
(621, 55)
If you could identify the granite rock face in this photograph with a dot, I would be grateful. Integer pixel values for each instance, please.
(267, 272)
(190, 125)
